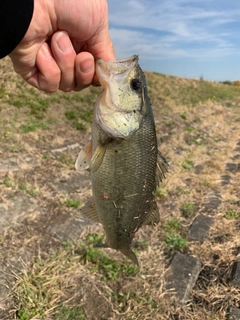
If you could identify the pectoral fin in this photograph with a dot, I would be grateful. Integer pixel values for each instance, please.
(153, 216)
(162, 168)
(84, 157)
(89, 210)
(97, 157)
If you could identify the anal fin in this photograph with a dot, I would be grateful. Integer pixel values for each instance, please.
(89, 210)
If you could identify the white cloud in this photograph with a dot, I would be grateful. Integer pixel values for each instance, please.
(176, 28)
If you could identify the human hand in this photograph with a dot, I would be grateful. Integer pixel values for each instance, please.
(62, 41)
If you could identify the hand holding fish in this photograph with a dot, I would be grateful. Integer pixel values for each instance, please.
(62, 41)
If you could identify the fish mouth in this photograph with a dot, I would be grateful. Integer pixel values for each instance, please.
(118, 110)
(104, 69)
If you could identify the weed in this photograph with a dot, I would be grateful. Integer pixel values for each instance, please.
(187, 209)
(183, 116)
(87, 115)
(110, 270)
(32, 126)
(176, 242)
(2, 92)
(65, 312)
(188, 164)
(70, 115)
(79, 126)
(67, 245)
(94, 238)
(8, 182)
(23, 186)
(206, 183)
(16, 149)
(97, 260)
(29, 190)
(173, 237)
(169, 123)
(171, 226)
(231, 214)
(188, 129)
(160, 192)
(73, 203)
(183, 190)
(32, 192)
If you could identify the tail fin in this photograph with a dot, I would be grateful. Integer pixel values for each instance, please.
(131, 255)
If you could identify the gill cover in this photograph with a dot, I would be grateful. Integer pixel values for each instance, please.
(119, 108)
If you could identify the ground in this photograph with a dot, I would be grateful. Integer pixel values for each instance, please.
(49, 268)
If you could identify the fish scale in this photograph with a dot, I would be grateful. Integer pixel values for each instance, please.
(125, 163)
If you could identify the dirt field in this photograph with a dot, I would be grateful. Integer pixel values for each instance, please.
(49, 268)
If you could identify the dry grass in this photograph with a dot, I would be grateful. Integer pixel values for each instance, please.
(197, 125)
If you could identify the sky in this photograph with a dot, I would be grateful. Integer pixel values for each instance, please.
(184, 38)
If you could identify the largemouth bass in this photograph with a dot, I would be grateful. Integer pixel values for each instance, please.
(123, 155)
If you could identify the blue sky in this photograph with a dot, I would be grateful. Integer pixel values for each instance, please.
(185, 38)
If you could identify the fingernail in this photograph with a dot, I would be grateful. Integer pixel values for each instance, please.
(86, 66)
(63, 42)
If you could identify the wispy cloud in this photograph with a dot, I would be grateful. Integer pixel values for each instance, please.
(176, 28)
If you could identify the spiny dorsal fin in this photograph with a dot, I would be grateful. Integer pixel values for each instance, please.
(162, 168)
(89, 210)
(84, 157)
(153, 216)
(97, 157)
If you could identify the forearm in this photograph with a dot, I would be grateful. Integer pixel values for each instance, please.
(15, 17)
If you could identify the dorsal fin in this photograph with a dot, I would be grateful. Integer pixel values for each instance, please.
(153, 216)
(162, 168)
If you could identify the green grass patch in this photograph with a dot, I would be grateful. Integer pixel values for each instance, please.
(161, 192)
(188, 129)
(183, 116)
(70, 115)
(65, 312)
(188, 164)
(39, 290)
(188, 209)
(34, 125)
(231, 214)
(79, 126)
(73, 203)
(204, 92)
(176, 242)
(173, 237)
(8, 182)
(16, 148)
(27, 189)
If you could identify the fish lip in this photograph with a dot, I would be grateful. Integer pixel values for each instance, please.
(104, 69)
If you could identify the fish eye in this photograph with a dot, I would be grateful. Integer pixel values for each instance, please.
(136, 84)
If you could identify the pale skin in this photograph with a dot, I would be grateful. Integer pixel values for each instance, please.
(62, 41)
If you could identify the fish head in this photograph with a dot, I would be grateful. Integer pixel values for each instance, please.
(119, 109)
